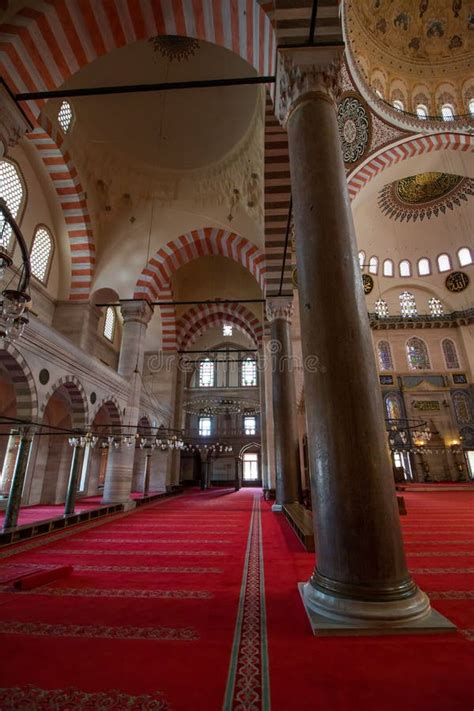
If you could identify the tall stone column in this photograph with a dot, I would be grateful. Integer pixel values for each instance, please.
(147, 472)
(71, 495)
(118, 478)
(18, 479)
(263, 423)
(361, 576)
(288, 488)
(178, 413)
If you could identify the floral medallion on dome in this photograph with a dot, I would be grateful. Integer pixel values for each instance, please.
(355, 127)
(424, 195)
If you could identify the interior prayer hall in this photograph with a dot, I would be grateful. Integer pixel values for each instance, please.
(236, 355)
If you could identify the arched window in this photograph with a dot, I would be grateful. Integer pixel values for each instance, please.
(206, 373)
(405, 268)
(422, 112)
(205, 426)
(424, 266)
(450, 354)
(384, 355)
(227, 329)
(393, 407)
(361, 259)
(464, 256)
(471, 107)
(41, 254)
(417, 353)
(444, 263)
(65, 116)
(447, 112)
(407, 305)
(388, 268)
(109, 323)
(398, 105)
(435, 306)
(374, 265)
(13, 192)
(249, 373)
(381, 308)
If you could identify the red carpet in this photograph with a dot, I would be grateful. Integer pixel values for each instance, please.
(171, 607)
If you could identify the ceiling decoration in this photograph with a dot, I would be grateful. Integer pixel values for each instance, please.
(388, 37)
(355, 127)
(424, 195)
(174, 48)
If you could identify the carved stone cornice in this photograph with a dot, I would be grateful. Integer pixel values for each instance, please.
(280, 307)
(305, 76)
(13, 123)
(136, 311)
(452, 320)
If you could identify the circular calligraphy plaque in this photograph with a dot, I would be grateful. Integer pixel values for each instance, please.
(457, 281)
(368, 283)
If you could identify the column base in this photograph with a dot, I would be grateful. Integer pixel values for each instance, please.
(330, 615)
(277, 508)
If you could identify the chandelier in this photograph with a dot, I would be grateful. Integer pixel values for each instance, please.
(14, 302)
(216, 448)
(164, 440)
(402, 432)
(221, 406)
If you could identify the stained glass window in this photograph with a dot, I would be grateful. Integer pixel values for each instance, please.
(435, 306)
(393, 407)
(450, 354)
(462, 408)
(65, 116)
(13, 192)
(471, 107)
(361, 259)
(444, 263)
(381, 308)
(109, 323)
(41, 253)
(405, 268)
(249, 372)
(422, 111)
(447, 112)
(374, 265)
(385, 355)
(250, 425)
(206, 373)
(417, 352)
(227, 330)
(407, 305)
(397, 104)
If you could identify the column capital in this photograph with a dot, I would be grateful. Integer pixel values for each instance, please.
(280, 307)
(306, 74)
(13, 123)
(136, 311)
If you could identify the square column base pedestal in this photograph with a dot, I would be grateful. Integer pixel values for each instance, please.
(277, 508)
(324, 626)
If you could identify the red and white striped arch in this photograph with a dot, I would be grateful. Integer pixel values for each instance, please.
(205, 316)
(409, 148)
(72, 200)
(154, 283)
(45, 44)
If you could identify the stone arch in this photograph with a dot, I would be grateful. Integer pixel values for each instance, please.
(408, 148)
(77, 396)
(187, 323)
(155, 280)
(113, 409)
(207, 321)
(18, 370)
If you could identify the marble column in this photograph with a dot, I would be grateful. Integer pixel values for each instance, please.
(263, 423)
(361, 577)
(18, 479)
(71, 495)
(178, 414)
(288, 487)
(119, 474)
(147, 472)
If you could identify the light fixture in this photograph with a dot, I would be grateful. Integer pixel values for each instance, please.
(14, 302)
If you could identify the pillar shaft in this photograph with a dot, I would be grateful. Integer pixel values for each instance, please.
(284, 403)
(70, 504)
(360, 556)
(146, 474)
(16, 487)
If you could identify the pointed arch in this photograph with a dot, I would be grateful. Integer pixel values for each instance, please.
(20, 374)
(112, 407)
(77, 398)
(206, 318)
